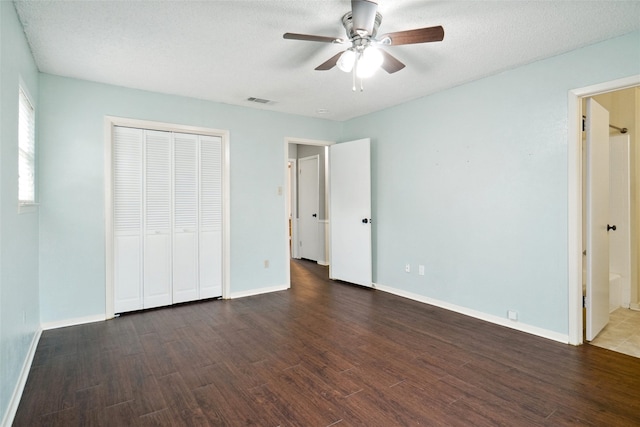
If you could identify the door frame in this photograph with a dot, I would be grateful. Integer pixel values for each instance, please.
(300, 141)
(291, 190)
(574, 195)
(109, 123)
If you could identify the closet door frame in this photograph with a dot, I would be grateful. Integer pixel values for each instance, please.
(109, 123)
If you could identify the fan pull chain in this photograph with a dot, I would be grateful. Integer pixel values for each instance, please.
(353, 77)
(353, 74)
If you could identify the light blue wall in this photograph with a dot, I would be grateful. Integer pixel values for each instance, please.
(19, 307)
(72, 239)
(472, 183)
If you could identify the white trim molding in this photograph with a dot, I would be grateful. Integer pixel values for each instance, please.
(10, 414)
(523, 327)
(575, 204)
(259, 291)
(73, 322)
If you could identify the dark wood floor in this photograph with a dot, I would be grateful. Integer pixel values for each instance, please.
(321, 354)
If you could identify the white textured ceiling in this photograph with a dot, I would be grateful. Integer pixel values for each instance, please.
(227, 51)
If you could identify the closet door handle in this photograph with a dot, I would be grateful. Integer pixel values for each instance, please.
(611, 227)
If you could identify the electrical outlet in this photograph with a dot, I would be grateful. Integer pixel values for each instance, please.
(512, 315)
(266, 263)
(421, 270)
(407, 268)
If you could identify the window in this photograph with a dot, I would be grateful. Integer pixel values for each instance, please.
(26, 151)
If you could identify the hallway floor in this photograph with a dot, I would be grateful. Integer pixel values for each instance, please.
(622, 334)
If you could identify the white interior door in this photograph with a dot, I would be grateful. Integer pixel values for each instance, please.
(185, 213)
(597, 218)
(167, 217)
(350, 212)
(210, 236)
(127, 219)
(308, 207)
(157, 246)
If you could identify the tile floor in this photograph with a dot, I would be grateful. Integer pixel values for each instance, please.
(622, 333)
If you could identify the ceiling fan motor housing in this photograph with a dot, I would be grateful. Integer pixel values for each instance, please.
(347, 22)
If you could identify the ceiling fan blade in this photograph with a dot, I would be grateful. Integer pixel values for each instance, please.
(390, 63)
(329, 63)
(312, 38)
(363, 15)
(420, 35)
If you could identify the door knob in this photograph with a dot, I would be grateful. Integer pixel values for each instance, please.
(315, 215)
(611, 227)
(366, 220)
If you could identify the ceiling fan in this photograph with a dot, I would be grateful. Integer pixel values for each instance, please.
(364, 57)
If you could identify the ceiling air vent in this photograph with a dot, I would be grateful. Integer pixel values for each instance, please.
(259, 100)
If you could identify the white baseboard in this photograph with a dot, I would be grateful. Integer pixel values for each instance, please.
(258, 291)
(7, 420)
(323, 263)
(534, 330)
(634, 306)
(72, 322)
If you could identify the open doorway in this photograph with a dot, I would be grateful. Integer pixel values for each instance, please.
(621, 100)
(347, 237)
(617, 291)
(308, 188)
(299, 153)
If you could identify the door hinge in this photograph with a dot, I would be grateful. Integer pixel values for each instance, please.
(584, 301)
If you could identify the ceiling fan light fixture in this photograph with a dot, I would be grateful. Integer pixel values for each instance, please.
(369, 61)
(362, 58)
(347, 60)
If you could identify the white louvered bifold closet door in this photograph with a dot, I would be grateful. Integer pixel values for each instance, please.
(185, 224)
(127, 219)
(167, 215)
(210, 235)
(157, 230)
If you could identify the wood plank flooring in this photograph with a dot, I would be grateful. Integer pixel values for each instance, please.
(321, 354)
